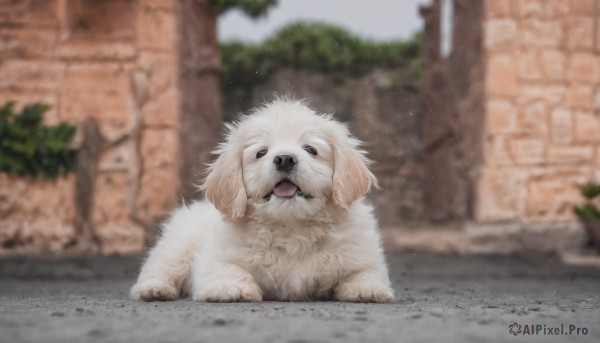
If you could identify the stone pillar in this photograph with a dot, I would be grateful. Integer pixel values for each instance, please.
(452, 112)
(199, 80)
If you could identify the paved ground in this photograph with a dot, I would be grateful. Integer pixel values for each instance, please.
(440, 298)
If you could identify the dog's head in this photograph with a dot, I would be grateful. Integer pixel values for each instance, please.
(286, 162)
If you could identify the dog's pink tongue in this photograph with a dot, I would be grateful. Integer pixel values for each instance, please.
(285, 189)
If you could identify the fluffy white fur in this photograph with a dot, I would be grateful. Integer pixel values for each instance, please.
(244, 245)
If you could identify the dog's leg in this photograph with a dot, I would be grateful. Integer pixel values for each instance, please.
(222, 282)
(164, 274)
(370, 285)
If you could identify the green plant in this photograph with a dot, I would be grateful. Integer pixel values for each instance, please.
(589, 212)
(317, 47)
(29, 148)
(252, 8)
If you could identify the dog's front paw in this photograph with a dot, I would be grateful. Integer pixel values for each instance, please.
(364, 293)
(154, 290)
(229, 292)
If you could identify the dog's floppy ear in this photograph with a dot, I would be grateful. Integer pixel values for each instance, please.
(351, 176)
(224, 185)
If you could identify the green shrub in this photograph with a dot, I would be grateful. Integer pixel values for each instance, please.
(28, 148)
(589, 212)
(317, 47)
(252, 8)
(590, 190)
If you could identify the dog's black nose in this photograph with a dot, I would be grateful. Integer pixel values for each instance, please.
(284, 162)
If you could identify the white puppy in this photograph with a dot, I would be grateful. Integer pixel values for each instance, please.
(285, 219)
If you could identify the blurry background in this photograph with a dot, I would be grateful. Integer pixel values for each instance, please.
(482, 117)
(381, 20)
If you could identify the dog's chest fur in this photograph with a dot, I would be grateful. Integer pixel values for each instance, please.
(293, 263)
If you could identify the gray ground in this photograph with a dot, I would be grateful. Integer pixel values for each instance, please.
(440, 298)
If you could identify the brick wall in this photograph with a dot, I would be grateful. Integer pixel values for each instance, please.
(113, 61)
(542, 126)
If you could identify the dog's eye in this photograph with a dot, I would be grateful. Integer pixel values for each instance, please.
(310, 149)
(261, 153)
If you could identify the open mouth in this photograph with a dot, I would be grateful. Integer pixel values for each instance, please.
(286, 189)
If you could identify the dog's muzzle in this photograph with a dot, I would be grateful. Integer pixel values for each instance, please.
(286, 189)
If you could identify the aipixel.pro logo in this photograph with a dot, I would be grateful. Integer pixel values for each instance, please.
(516, 329)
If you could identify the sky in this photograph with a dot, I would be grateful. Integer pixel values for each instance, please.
(375, 19)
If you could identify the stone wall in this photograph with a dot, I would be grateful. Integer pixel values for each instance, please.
(511, 119)
(382, 110)
(109, 67)
(542, 126)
